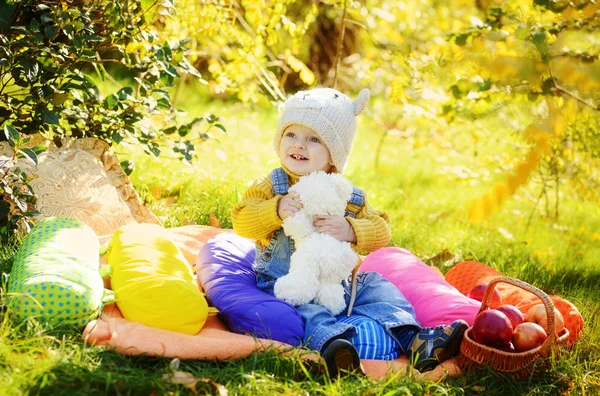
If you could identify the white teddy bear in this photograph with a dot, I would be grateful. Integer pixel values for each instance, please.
(320, 262)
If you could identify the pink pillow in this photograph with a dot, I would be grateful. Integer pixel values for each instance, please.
(435, 300)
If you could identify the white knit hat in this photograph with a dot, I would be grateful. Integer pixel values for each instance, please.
(328, 112)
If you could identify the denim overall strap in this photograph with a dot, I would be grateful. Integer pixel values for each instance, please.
(273, 261)
(279, 178)
(357, 198)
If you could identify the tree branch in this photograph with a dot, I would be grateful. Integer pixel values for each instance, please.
(340, 45)
(589, 103)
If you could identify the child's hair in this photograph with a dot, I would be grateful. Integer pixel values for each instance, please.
(328, 112)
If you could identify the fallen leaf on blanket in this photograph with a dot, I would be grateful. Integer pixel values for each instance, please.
(213, 221)
(156, 193)
(189, 380)
(187, 221)
(437, 216)
(168, 201)
(445, 257)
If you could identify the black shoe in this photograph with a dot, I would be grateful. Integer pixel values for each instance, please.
(433, 345)
(341, 358)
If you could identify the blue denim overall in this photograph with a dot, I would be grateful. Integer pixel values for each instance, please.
(376, 298)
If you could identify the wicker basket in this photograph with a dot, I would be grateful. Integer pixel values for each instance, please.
(520, 363)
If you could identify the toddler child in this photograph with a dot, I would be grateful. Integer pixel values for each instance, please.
(315, 132)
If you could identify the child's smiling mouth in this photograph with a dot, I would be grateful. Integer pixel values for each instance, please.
(298, 157)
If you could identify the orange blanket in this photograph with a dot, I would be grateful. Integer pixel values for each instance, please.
(215, 342)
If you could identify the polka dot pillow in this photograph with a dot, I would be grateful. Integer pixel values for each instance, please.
(55, 275)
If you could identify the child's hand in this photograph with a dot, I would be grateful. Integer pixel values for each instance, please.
(336, 226)
(289, 205)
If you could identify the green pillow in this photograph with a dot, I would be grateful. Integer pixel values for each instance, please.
(55, 276)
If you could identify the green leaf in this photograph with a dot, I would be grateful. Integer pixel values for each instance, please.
(92, 38)
(116, 137)
(34, 26)
(538, 38)
(4, 210)
(461, 39)
(111, 101)
(547, 86)
(49, 117)
(170, 130)
(12, 136)
(29, 154)
(163, 103)
(184, 130)
(21, 204)
(125, 93)
(31, 69)
(50, 32)
(128, 166)
(153, 149)
(100, 71)
(196, 120)
(39, 149)
(221, 127)
(6, 14)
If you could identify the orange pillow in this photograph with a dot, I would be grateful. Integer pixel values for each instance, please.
(468, 274)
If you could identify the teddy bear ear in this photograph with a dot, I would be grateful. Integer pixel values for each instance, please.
(361, 101)
(342, 186)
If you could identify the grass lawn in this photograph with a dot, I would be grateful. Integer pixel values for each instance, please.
(425, 180)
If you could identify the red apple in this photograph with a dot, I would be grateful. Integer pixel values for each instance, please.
(527, 336)
(508, 348)
(492, 328)
(478, 291)
(537, 314)
(515, 316)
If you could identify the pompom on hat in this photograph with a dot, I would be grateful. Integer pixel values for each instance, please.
(330, 113)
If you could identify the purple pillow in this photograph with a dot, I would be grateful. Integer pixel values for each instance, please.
(224, 269)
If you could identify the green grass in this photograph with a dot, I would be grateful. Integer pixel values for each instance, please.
(424, 182)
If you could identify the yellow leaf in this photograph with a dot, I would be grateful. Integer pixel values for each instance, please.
(500, 193)
(512, 184)
(213, 221)
(307, 76)
(559, 125)
(591, 9)
(552, 106)
(533, 133)
(570, 110)
(295, 63)
(522, 174)
(489, 205)
(569, 13)
(476, 211)
(213, 66)
(397, 94)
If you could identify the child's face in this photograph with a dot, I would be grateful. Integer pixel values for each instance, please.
(302, 151)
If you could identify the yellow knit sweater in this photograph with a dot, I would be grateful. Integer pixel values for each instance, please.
(256, 217)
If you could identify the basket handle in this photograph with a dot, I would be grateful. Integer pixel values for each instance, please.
(487, 297)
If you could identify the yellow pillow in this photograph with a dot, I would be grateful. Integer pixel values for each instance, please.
(152, 282)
